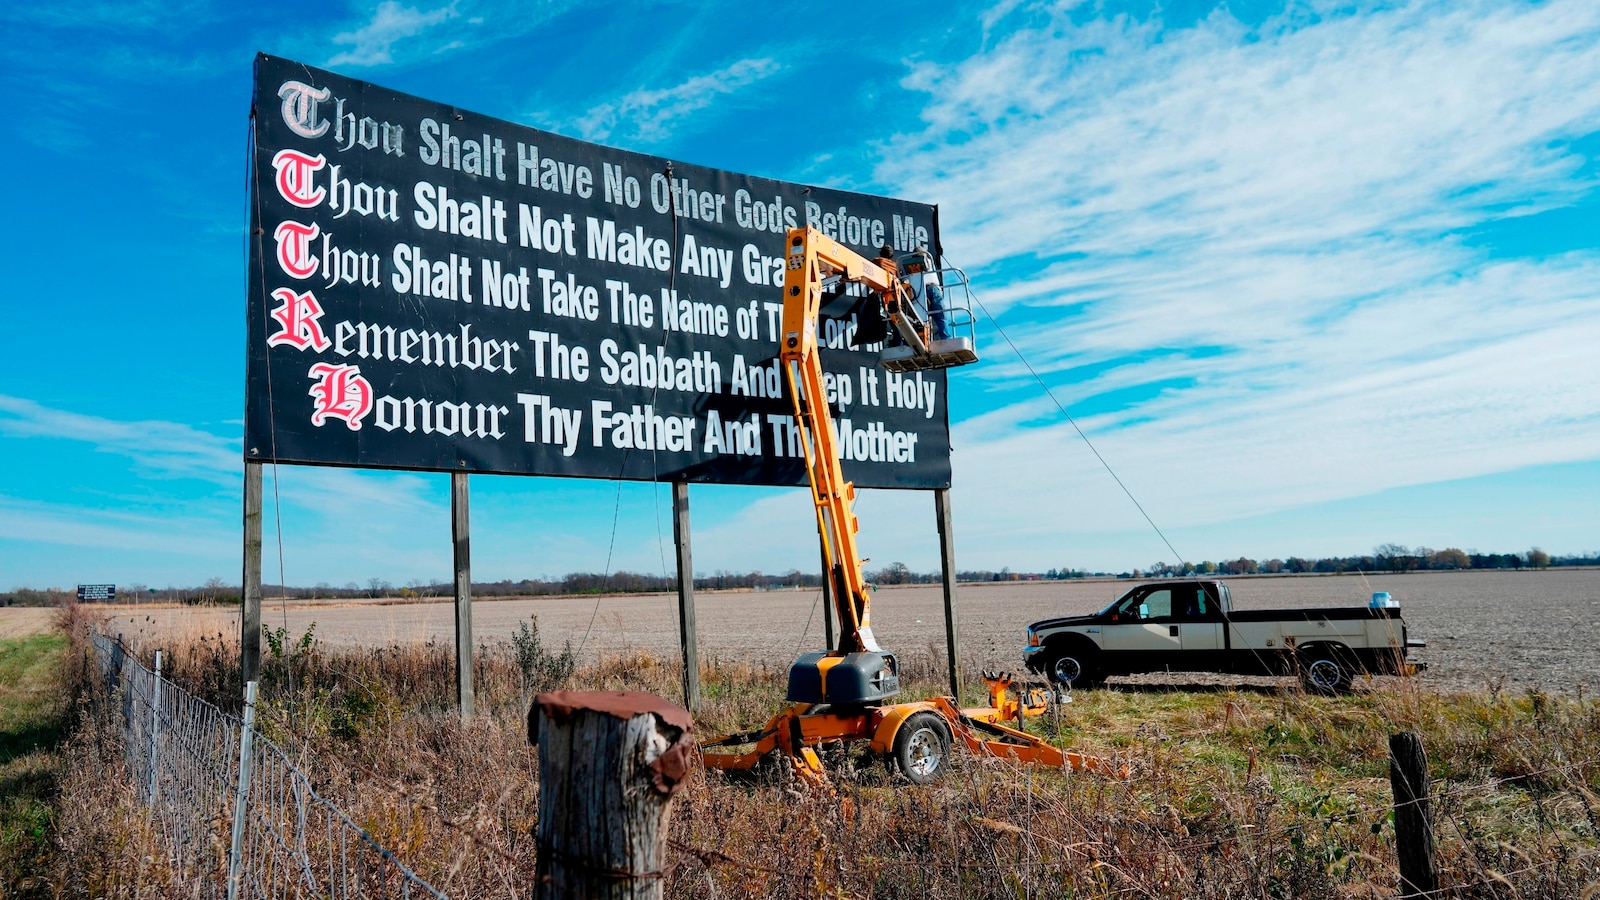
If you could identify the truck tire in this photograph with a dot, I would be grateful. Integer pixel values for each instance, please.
(922, 748)
(1073, 666)
(1325, 671)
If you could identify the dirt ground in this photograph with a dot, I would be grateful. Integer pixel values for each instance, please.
(1515, 629)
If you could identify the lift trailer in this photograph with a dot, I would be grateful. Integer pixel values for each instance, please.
(845, 694)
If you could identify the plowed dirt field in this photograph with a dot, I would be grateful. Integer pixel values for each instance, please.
(1515, 629)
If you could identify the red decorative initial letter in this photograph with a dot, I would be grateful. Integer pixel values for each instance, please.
(339, 393)
(294, 248)
(297, 322)
(294, 177)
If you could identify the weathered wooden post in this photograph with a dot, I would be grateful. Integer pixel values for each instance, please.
(609, 762)
(461, 542)
(947, 565)
(250, 601)
(1413, 822)
(827, 606)
(688, 639)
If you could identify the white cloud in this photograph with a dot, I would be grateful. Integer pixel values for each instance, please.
(333, 519)
(115, 530)
(163, 448)
(1258, 229)
(373, 43)
(650, 114)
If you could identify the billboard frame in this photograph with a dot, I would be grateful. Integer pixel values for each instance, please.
(256, 457)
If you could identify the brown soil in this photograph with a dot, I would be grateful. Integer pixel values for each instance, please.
(1516, 629)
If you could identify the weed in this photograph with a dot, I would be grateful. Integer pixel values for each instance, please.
(541, 669)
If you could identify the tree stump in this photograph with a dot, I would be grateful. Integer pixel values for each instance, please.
(609, 762)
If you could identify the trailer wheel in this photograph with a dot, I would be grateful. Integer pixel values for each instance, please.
(1323, 671)
(1072, 667)
(922, 748)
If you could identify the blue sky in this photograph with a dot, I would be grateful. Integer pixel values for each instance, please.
(1313, 277)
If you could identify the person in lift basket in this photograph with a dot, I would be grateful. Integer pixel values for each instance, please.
(922, 276)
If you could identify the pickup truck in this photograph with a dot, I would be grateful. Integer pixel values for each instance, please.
(1191, 626)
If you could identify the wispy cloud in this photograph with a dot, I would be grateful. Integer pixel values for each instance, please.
(1254, 233)
(37, 522)
(373, 43)
(650, 114)
(161, 448)
(176, 449)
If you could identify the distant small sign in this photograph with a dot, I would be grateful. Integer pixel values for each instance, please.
(101, 592)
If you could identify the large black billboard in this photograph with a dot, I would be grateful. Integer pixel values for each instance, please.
(435, 289)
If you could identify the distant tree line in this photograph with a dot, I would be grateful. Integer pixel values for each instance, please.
(1384, 558)
(1007, 575)
(215, 592)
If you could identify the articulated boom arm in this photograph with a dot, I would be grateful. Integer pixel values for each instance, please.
(840, 696)
(813, 257)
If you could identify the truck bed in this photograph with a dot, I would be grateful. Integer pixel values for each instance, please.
(1313, 613)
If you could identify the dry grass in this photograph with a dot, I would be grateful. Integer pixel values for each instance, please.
(1234, 793)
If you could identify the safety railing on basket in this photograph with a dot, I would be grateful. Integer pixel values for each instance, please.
(231, 814)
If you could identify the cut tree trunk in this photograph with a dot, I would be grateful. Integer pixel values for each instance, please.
(609, 762)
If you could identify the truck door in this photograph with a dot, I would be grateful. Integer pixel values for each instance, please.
(1199, 621)
(1144, 623)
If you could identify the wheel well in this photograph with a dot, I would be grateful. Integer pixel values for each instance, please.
(1334, 649)
(937, 719)
(883, 737)
(1058, 643)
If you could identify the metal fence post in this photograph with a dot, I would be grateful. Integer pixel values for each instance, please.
(246, 743)
(313, 844)
(155, 727)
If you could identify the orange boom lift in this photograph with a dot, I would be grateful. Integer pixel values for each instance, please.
(846, 694)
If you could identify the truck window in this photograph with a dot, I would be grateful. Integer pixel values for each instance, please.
(1192, 604)
(1157, 604)
(1188, 602)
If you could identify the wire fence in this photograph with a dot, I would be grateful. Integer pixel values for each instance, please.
(233, 817)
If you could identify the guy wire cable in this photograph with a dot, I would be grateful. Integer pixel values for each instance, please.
(655, 488)
(1073, 422)
(252, 191)
(616, 511)
(672, 287)
(1070, 420)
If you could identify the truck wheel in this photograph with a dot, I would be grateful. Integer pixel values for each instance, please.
(922, 748)
(1072, 667)
(1325, 672)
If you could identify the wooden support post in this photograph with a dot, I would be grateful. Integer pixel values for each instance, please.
(609, 762)
(688, 639)
(947, 562)
(827, 605)
(250, 604)
(460, 536)
(1413, 822)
